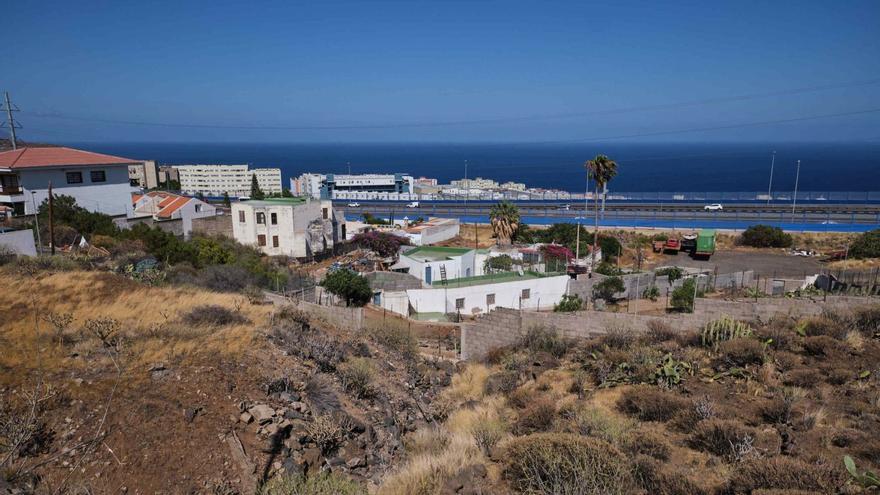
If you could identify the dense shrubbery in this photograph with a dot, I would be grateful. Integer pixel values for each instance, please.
(566, 235)
(385, 244)
(503, 263)
(348, 285)
(866, 245)
(568, 304)
(608, 289)
(672, 273)
(683, 296)
(764, 236)
(212, 314)
(566, 464)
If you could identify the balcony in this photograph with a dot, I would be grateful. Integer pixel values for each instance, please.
(10, 190)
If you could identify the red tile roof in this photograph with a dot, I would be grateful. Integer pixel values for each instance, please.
(57, 157)
(176, 204)
(167, 202)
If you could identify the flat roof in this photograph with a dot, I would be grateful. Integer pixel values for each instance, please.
(494, 278)
(294, 201)
(434, 253)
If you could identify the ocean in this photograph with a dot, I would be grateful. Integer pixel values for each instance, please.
(674, 167)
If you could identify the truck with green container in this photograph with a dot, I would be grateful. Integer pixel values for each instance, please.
(705, 244)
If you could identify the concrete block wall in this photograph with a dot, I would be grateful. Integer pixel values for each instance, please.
(338, 316)
(503, 327)
(216, 225)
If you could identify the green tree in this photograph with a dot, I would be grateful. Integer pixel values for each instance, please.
(348, 285)
(568, 304)
(256, 192)
(608, 288)
(866, 245)
(763, 236)
(65, 211)
(285, 193)
(504, 217)
(503, 263)
(226, 201)
(601, 169)
(683, 296)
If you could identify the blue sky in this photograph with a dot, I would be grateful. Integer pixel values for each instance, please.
(517, 64)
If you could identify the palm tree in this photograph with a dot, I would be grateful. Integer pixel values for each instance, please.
(601, 169)
(505, 220)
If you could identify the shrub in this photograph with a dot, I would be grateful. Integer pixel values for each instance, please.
(764, 236)
(657, 480)
(672, 273)
(783, 473)
(683, 296)
(867, 319)
(568, 304)
(594, 422)
(729, 439)
(866, 245)
(385, 244)
(487, 432)
(660, 331)
(650, 444)
(321, 484)
(357, 376)
(319, 393)
(566, 464)
(537, 416)
(742, 352)
(650, 404)
(326, 431)
(212, 314)
(540, 339)
(802, 377)
(617, 337)
(652, 293)
(823, 325)
(820, 345)
(396, 339)
(348, 285)
(608, 289)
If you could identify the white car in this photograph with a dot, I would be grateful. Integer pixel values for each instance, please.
(414, 204)
(713, 207)
(354, 205)
(565, 207)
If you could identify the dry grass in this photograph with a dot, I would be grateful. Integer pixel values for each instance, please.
(470, 384)
(149, 318)
(426, 473)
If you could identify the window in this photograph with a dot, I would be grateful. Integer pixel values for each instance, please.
(274, 217)
(324, 213)
(74, 177)
(459, 303)
(261, 218)
(526, 293)
(98, 176)
(241, 216)
(490, 299)
(274, 241)
(261, 240)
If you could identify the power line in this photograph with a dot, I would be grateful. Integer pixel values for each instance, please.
(10, 122)
(666, 106)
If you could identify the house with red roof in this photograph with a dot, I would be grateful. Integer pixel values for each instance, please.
(165, 206)
(97, 182)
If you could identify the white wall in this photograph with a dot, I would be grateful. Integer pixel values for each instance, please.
(112, 197)
(456, 267)
(19, 241)
(545, 292)
(395, 301)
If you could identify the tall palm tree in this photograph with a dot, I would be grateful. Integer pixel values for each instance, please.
(504, 217)
(601, 169)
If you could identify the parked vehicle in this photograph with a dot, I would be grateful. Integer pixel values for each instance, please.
(705, 243)
(565, 207)
(689, 242)
(354, 205)
(414, 204)
(672, 245)
(714, 207)
(658, 246)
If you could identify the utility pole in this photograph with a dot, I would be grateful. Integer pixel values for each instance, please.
(37, 221)
(770, 187)
(794, 198)
(51, 223)
(10, 121)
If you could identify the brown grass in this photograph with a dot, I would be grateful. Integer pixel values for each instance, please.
(149, 318)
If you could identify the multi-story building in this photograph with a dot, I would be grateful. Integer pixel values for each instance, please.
(513, 186)
(307, 185)
(144, 174)
(366, 183)
(164, 206)
(234, 180)
(478, 183)
(96, 181)
(298, 227)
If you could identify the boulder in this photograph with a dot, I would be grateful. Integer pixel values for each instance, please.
(262, 413)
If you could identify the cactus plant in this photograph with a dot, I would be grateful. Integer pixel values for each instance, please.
(867, 479)
(722, 329)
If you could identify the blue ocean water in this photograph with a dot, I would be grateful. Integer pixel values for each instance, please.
(642, 167)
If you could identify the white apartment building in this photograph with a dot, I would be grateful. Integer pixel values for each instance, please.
(235, 180)
(298, 227)
(307, 185)
(363, 186)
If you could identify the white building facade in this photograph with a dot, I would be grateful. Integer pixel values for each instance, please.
(96, 181)
(164, 206)
(234, 180)
(298, 227)
(430, 263)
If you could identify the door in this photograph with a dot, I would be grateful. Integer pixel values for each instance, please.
(428, 275)
(377, 299)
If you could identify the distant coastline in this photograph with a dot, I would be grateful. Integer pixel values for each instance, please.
(643, 167)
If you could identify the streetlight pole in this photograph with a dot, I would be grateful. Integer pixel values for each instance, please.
(770, 186)
(794, 198)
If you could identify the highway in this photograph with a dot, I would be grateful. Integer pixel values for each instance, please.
(825, 214)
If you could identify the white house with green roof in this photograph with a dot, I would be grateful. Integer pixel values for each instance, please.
(429, 263)
(476, 295)
(298, 227)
